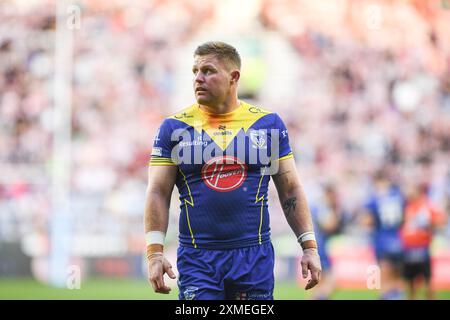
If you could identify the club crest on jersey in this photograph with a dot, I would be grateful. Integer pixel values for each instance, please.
(258, 139)
(224, 173)
(189, 293)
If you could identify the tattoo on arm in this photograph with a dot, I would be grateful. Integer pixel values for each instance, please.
(289, 206)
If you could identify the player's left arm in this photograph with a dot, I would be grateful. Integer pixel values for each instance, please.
(296, 211)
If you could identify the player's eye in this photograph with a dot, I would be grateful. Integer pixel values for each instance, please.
(208, 71)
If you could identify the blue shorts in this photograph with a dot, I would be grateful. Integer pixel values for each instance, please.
(234, 274)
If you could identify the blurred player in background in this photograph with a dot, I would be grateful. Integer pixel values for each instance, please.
(422, 217)
(328, 217)
(208, 151)
(383, 212)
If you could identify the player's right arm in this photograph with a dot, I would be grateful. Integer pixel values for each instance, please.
(161, 181)
(162, 174)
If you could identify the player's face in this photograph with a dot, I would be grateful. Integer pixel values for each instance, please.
(212, 80)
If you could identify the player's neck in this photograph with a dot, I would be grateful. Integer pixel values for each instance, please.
(225, 107)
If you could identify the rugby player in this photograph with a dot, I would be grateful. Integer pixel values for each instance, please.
(221, 152)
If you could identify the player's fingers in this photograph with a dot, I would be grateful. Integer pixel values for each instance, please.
(154, 281)
(151, 278)
(150, 282)
(160, 281)
(162, 288)
(167, 268)
(155, 276)
(308, 285)
(311, 284)
(304, 265)
(315, 277)
(153, 284)
(170, 272)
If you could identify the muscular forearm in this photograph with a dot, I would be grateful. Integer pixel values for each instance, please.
(296, 211)
(156, 216)
(161, 180)
(297, 214)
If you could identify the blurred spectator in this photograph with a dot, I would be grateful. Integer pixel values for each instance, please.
(422, 217)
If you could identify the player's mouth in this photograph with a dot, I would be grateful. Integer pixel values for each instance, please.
(200, 90)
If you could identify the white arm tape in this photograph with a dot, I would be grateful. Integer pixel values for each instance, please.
(306, 236)
(155, 237)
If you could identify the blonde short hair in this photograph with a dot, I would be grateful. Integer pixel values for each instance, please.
(221, 50)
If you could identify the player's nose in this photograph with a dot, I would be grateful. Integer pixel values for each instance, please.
(199, 77)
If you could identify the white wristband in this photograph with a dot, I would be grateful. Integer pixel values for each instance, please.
(155, 237)
(306, 236)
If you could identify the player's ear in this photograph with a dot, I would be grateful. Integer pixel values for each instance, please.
(235, 75)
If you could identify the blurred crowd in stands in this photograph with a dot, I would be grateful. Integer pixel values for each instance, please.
(371, 93)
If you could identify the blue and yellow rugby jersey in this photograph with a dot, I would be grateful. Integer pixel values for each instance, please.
(223, 172)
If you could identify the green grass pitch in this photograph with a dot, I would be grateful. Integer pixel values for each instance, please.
(122, 289)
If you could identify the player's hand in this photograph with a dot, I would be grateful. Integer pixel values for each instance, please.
(311, 262)
(157, 267)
